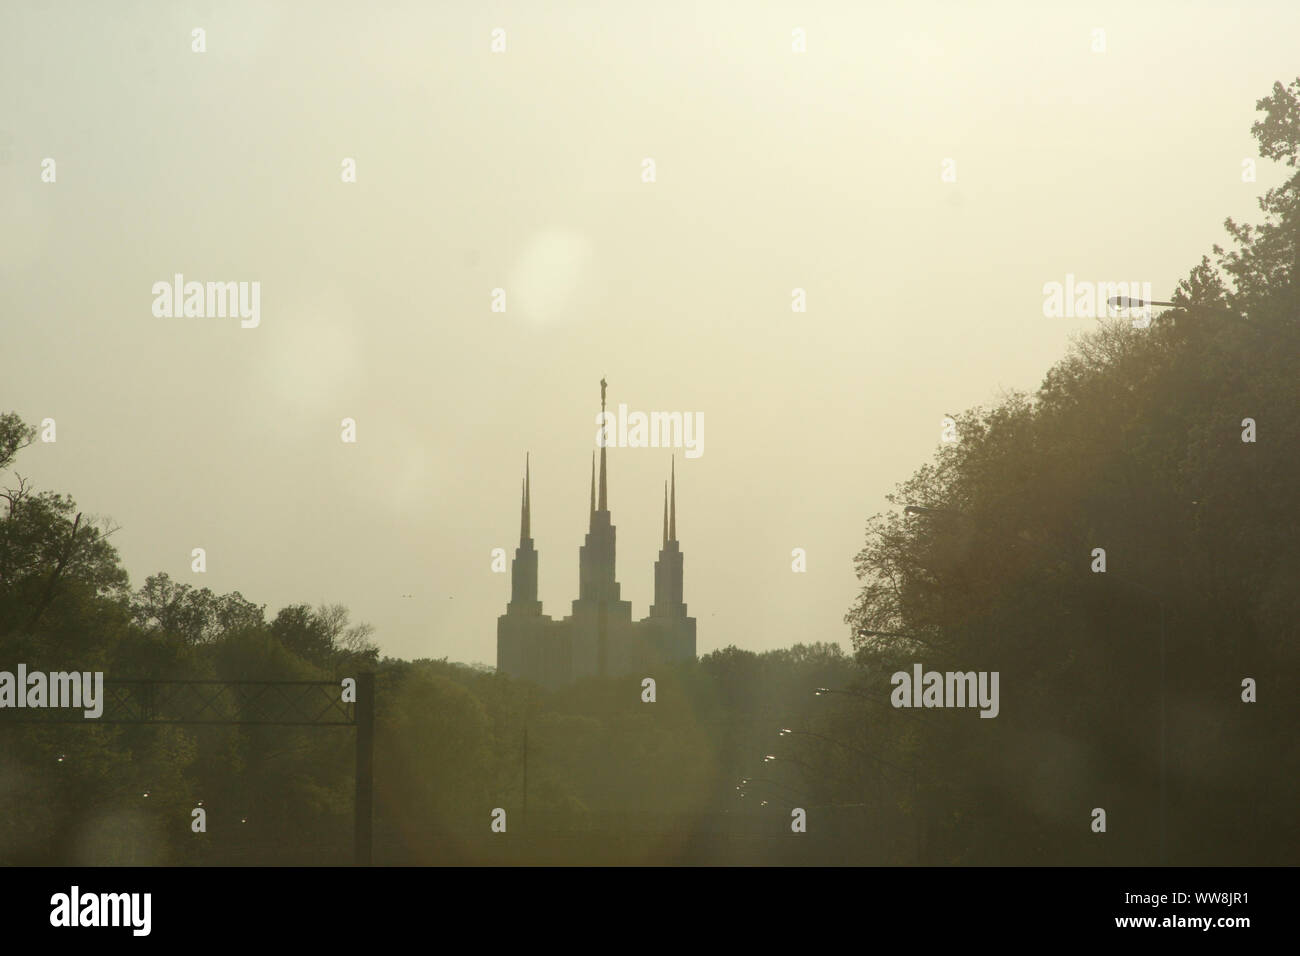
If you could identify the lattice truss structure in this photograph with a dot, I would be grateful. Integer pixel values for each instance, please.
(282, 703)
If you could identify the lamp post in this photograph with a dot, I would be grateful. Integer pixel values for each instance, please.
(820, 691)
(871, 699)
(1127, 302)
(769, 758)
(923, 510)
(787, 732)
(912, 774)
(790, 792)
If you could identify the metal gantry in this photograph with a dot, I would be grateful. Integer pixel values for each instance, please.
(280, 703)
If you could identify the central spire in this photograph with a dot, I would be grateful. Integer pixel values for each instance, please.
(526, 507)
(597, 583)
(665, 514)
(604, 501)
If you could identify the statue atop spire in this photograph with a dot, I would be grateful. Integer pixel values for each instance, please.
(525, 506)
(604, 501)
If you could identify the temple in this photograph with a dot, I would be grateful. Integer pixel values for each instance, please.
(598, 638)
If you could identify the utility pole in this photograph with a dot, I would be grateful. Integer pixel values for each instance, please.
(1164, 858)
(920, 822)
(364, 801)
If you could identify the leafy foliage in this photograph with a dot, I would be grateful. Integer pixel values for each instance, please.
(1133, 444)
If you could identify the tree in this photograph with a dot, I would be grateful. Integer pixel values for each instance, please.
(195, 614)
(52, 558)
(324, 637)
(1133, 444)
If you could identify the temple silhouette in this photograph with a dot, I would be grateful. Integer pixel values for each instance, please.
(599, 638)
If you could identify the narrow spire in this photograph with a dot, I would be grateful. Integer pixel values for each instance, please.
(528, 498)
(665, 514)
(523, 512)
(672, 520)
(604, 501)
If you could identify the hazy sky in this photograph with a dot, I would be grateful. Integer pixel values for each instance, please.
(523, 170)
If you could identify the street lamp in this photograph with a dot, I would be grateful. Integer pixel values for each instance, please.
(922, 510)
(1126, 302)
(791, 793)
(864, 632)
(820, 691)
(773, 758)
(913, 773)
(769, 758)
(871, 698)
(787, 732)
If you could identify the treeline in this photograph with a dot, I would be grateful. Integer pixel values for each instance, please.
(1122, 547)
(1175, 450)
(453, 742)
(96, 793)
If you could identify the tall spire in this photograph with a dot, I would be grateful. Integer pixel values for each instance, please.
(665, 514)
(672, 520)
(523, 573)
(669, 608)
(598, 590)
(525, 529)
(604, 501)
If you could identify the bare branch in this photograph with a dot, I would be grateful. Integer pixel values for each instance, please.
(56, 574)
